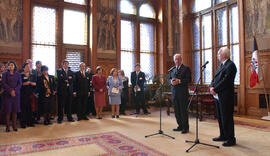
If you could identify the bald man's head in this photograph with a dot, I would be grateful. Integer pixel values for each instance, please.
(223, 54)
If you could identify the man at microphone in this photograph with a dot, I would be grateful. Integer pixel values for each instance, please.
(180, 77)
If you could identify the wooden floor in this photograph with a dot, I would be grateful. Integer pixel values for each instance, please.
(252, 140)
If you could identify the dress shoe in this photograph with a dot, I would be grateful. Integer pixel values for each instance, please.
(117, 116)
(113, 116)
(178, 129)
(146, 113)
(229, 143)
(85, 118)
(59, 121)
(23, 126)
(30, 125)
(49, 122)
(7, 129)
(15, 129)
(71, 120)
(184, 131)
(219, 139)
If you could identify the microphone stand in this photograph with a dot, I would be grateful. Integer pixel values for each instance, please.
(160, 130)
(197, 141)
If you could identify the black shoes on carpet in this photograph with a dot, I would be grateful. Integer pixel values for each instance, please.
(227, 143)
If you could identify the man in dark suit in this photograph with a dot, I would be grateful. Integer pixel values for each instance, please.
(138, 80)
(65, 91)
(180, 77)
(222, 88)
(82, 92)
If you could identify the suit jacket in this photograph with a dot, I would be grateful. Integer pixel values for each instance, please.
(90, 82)
(41, 87)
(138, 80)
(184, 74)
(65, 81)
(223, 82)
(81, 85)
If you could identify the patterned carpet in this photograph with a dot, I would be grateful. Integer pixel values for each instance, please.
(113, 143)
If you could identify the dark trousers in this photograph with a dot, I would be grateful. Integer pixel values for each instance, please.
(124, 100)
(26, 111)
(91, 105)
(139, 98)
(180, 110)
(225, 120)
(82, 106)
(64, 102)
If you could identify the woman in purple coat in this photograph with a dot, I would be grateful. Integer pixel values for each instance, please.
(11, 82)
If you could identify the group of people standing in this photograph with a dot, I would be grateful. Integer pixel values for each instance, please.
(31, 93)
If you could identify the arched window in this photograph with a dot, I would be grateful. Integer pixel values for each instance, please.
(126, 7)
(147, 11)
(137, 43)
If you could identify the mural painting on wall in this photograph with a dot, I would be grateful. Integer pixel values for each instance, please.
(257, 20)
(10, 26)
(106, 32)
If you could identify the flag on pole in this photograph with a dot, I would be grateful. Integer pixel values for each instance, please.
(255, 76)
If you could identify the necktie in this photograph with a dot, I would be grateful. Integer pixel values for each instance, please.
(83, 74)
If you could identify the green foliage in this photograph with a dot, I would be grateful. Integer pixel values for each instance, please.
(162, 84)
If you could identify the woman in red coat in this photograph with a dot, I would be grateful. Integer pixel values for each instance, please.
(99, 84)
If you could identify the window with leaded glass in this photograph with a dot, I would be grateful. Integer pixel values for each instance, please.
(223, 28)
(82, 2)
(142, 36)
(127, 7)
(74, 57)
(207, 47)
(75, 27)
(44, 36)
(221, 16)
(147, 11)
(127, 47)
(147, 57)
(234, 43)
(200, 5)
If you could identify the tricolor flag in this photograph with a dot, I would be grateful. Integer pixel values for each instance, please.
(255, 76)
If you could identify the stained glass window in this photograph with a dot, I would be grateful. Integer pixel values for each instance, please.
(127, 7)
(76, 1)
(127, 47)
(196, 66)
(44, 37)
(74, 58)
(196, 33)
(75, 27)
(200, 5)
(207, 73)
(221, 16)
(147, 11)
(207, 31)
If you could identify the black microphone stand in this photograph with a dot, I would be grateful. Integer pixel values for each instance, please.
(197, 141)
(160, 130)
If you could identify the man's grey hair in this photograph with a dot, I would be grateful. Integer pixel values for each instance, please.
(177, 55)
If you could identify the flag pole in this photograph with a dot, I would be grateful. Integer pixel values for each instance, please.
(266, 99)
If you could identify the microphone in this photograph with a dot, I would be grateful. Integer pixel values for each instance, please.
(204, 66)
(171, 69)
